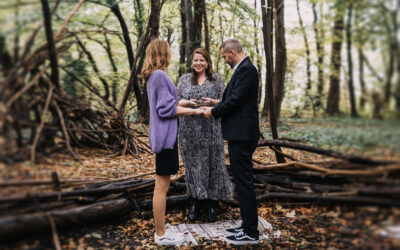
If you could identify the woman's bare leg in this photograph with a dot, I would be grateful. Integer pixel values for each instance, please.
(159, 202)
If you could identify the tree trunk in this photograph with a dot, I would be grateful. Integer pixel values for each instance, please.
(303, 31)
(17, 31)
(334, 87)
(189, 25)
(350, 60)
(269, 84)
(154, 20)
(114, 67)
(268, 26)
(318, 31)
(96, 70)
(5, 60)
(391, 18)
(197, 23)
(183, 45)
(361, 78)
(152, 31)
(128, 44)
(280, 57)
(154, 26)
(360, 61)
(389, 74)
(206, 33)
(397, 56)
(258, 61)
(50, 44)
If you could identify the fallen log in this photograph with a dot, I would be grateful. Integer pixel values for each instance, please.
(84, 192)
(12, 228)
(360, 200)
(380, 170)
(15, 227)
(331, 153)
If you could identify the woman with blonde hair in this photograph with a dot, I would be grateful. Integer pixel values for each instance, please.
(164, 109)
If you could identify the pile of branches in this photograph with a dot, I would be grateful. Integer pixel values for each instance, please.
(37, 115)
(348, 179)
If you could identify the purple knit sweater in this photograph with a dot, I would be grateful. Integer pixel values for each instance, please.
(163, 100)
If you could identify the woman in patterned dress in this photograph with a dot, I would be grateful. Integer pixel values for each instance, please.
(200, 140)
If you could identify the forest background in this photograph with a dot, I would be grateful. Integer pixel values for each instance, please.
(70, 78)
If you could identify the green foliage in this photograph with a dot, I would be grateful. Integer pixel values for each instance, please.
(69, 83)
(226, 18)
(364, 136)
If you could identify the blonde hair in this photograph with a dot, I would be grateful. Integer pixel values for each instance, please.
(158, 55)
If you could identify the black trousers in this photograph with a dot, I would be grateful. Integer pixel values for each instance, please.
(240, 156)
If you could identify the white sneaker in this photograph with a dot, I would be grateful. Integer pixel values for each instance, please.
(169, 238)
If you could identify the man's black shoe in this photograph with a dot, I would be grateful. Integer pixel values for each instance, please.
(233, 231)
(241, 238)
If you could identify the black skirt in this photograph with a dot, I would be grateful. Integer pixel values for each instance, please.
(167, 162)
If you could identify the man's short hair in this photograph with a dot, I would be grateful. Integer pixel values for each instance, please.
(232, 44)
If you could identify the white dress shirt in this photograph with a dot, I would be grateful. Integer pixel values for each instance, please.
(237, 64)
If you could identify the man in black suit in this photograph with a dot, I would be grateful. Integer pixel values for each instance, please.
(240, 127)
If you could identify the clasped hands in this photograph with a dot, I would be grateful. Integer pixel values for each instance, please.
(205, 111)
(203, 105)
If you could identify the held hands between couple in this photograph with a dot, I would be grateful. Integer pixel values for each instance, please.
(203, 105)
(205, 111)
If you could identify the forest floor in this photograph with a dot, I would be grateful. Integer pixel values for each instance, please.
(307, 225)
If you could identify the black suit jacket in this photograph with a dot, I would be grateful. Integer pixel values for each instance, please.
(238, 108)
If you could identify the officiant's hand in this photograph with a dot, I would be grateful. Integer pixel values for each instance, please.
(187, 103)
(209, 101)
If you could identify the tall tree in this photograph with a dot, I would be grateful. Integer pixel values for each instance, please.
(17, 31)
(189, 25)
(95, 69)
(50, 43)
(360, 37)
(308, 58)
(332, 106)
(154, 20)
(152, 31)
(138, 5)
(268, 34)
(257, 54)
(197, 24)
(5, 60)
(127, 40)
(397, 47)
(350, 60)
(269, 82)
(107, 47)
(319, 38)
(183, 44)
(390, 23)
(280, 56)
(206, 32)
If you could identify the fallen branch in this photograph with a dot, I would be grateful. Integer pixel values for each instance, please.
(15, 227)
(350, 158)
(381, 170)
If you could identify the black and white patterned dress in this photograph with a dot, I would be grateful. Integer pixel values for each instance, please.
(201, 144)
